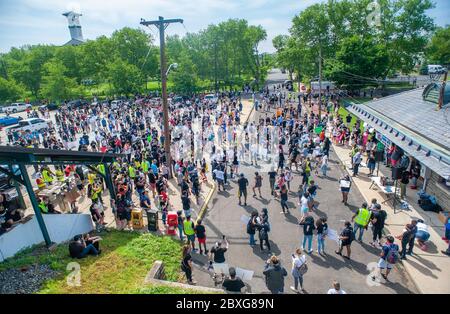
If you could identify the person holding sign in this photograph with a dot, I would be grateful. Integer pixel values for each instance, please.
(345, 184)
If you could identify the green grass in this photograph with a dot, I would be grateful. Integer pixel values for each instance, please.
(121, 268)
(160, 289)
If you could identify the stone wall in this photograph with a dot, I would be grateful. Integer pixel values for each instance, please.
(439, 190)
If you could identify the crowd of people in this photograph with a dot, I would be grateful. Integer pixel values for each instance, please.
(210, 140)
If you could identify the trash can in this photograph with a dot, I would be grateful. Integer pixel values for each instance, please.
(152, 219)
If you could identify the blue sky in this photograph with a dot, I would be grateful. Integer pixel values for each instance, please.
(40, 21)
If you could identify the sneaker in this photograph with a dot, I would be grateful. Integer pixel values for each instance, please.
(245, 204)
(310, 251)
(293, 289)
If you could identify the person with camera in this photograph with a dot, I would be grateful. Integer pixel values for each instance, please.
(274, 275)
(217, 254)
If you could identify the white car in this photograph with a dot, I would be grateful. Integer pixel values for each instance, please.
(211, 97)
(31, 125)
(436, 69)
(15, 107)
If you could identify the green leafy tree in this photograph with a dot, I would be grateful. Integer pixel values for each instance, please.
(56, 85)
(185, 77)
(359, 62)
(125, 78)
(438, 50)
(9, 90)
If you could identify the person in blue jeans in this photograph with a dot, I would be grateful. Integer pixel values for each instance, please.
(251, 227)
(308, 228)
(82, 246)
(322, 230)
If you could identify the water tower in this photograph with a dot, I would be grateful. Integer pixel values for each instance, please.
(75, 28)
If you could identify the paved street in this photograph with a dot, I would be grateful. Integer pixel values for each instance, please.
(224, 218)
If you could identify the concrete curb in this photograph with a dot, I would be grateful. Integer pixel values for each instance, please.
(202, 212)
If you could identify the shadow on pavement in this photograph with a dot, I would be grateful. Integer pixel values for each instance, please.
(291, 218)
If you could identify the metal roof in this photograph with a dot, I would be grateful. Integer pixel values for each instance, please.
(17, 154)
(413, 124)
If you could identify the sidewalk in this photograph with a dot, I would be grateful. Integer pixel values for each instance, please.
(429, 270)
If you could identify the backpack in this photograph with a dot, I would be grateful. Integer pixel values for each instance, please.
(393, 256)
(267, 226)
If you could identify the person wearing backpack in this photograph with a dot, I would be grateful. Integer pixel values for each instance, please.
(388, 257)
(299, 268)
(264, 229)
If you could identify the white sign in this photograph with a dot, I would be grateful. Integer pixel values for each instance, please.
(333, 235)
(245, 219)
(244, 274)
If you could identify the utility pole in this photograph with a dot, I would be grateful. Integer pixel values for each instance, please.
(162, 24)
(320, 83)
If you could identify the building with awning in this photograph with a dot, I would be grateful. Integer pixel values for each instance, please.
(416, 122)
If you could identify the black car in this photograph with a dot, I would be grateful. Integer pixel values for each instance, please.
(77, 103)
(50, 107)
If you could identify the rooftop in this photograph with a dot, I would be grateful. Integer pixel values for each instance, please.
(414, 124)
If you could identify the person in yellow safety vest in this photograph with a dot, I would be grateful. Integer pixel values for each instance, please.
(59, 175)
(43, 207)
(94, 191)
(91, 177)
(145, 165)
(101, 169)
(131, 172)
(39, 180)
(189, 231)
(116, 165)
(137, 164)
(361, 219)
(47, 175)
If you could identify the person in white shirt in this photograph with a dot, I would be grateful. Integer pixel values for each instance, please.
(298, 260)
(336, 289)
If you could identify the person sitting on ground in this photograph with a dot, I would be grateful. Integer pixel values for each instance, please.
(79, 248)
(233, 283)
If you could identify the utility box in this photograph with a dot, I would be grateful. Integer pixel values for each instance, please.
(137, 219)
(152, 220)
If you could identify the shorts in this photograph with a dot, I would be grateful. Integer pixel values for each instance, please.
(124, 216)
(201, 240)
(383, 264)
(422, 235)
(220, 181)
(191, 237)
(242, 192)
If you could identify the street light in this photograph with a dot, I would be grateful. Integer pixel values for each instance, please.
(174, 65)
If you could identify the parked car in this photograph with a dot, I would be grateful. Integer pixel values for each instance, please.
(8, 120)
(31, 125)
(50, 107)
(436, 69)
(77, 103)
(15, 107)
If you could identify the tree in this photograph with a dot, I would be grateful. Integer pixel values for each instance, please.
(438, 50)
(125, 78)
(185, 78)
(359, 62)
(56, 85)
(9, 90)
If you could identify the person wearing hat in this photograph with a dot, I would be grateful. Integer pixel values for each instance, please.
(242, 183)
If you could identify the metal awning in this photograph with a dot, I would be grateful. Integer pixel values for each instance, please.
(15, 155)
